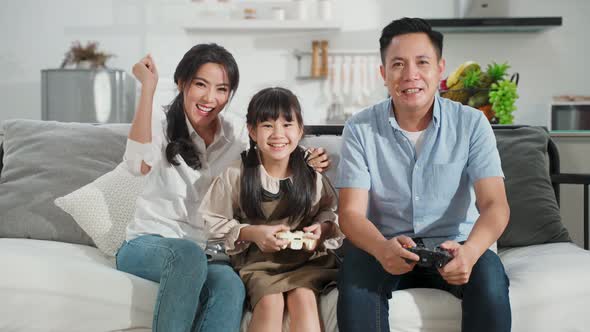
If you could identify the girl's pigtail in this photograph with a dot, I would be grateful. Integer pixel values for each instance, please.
(251, 191)
(303, 189)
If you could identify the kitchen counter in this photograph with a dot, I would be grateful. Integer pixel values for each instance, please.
(570, 133)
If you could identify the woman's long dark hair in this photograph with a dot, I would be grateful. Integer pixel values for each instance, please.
(177, 130)
(270, 103)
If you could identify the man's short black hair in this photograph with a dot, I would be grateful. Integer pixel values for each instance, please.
(409, 25)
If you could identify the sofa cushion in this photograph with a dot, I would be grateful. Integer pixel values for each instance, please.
(534, 213)
(549, 288)
(44, 160)
(104, 207)
(56, 286)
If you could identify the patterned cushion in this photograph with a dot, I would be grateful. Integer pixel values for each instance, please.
(104, 207)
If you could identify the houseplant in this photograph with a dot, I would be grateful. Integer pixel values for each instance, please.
(85, 56)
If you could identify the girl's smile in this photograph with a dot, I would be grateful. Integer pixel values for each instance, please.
(276, 139)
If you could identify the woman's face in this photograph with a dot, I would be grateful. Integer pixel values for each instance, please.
(206, 94)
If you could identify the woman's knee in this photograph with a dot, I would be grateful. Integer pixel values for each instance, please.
(186, 255)
(148, 256)
(224, 282)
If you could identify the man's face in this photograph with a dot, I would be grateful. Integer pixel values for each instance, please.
(412, 72)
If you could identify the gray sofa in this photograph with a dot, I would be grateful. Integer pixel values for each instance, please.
(54, 278)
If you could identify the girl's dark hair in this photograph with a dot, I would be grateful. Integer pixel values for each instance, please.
(271, 103)
(177, 130)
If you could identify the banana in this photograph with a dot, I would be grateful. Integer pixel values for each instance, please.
(456, 75)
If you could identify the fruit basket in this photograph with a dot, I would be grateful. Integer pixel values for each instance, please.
(489, 91)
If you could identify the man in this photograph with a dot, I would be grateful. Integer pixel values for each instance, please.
(413, 168)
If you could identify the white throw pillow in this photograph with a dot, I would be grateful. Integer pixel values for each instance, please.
(104, 207)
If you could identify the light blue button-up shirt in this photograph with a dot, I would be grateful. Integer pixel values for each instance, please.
(429, 195)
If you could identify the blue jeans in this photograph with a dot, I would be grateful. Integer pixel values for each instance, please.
(365, 287)
(194, 295)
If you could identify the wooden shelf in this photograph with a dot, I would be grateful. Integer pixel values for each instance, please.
(259, 25)
(122, 29)
(311, 78)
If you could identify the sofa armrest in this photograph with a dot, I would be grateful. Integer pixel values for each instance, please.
(583, 179)
(1, 156)
(568, 178)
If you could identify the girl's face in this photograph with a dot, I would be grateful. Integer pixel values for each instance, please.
(206, 95)
(276, 139)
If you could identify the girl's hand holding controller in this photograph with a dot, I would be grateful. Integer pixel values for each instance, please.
(298, 240)
(265, 237)
(314, 234)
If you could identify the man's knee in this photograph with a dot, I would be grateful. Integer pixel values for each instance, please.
(488, 278)
(360, 271)
(360, 282)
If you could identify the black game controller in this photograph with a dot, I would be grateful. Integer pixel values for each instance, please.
(436, 257)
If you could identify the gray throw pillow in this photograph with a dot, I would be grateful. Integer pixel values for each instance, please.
(534, 213)
(44, 160)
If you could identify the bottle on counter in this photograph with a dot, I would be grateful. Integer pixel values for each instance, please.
(324, 58)
(315, 59)
(249, 13)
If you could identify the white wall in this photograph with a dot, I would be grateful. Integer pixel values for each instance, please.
(35, 34)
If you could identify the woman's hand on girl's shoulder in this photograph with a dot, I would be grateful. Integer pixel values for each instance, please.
(318, 159)
(146, 72)
(265, 237)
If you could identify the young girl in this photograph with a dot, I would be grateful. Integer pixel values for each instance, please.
(271, 190)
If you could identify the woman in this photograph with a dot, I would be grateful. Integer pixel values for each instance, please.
(166, 239)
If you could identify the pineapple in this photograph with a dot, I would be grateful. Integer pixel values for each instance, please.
(457, 93)
(493, 74)
(486, 80)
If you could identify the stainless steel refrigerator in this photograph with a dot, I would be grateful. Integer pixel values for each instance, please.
(87, 95)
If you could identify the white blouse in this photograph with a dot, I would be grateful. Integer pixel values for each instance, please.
(169, 203)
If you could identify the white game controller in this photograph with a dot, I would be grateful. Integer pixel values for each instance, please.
(297, 240)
